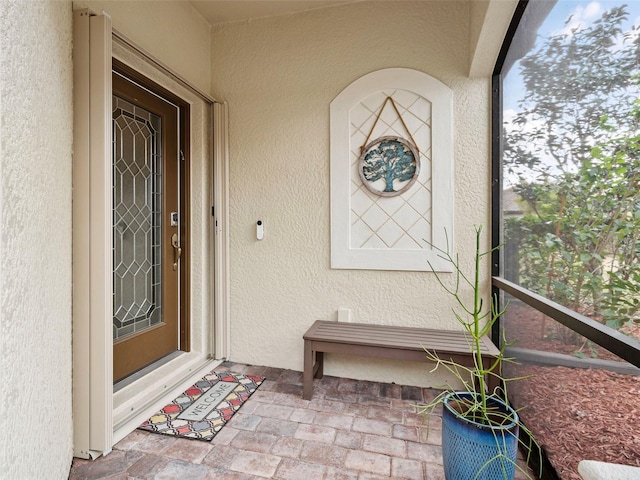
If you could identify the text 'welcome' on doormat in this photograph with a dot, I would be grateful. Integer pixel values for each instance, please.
(204, 408)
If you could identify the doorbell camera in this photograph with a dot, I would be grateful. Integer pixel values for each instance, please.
(259, 230)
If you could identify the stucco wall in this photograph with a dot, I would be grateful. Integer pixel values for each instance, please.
(279, 75)
(35, 241)
(171, 31)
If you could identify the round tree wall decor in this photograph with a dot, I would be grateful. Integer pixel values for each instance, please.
(389, 166)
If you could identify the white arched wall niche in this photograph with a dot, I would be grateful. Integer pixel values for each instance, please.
(392, 233)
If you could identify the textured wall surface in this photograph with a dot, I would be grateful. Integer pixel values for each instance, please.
(171, 31)
(35, 241)
(279, 76)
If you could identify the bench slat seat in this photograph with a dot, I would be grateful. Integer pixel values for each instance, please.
(386, 341)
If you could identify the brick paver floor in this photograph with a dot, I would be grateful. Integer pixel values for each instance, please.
(349, 430)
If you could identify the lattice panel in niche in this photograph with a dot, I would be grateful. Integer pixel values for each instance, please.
(404, 221)
(368, 229)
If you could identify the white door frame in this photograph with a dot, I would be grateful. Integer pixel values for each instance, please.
(97, 424)
(92, 282)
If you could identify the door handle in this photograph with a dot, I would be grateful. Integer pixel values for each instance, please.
(177, 250)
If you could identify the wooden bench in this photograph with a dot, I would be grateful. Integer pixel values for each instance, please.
(385, 341)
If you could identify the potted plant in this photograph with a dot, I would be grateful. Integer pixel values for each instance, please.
(480, 429)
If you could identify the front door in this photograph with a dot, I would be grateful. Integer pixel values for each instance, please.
(148, 231)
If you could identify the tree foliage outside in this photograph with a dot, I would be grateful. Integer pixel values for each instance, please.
(573, 153)
(390, 161)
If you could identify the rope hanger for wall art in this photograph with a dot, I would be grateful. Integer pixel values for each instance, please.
(404, 125)
(389, 165)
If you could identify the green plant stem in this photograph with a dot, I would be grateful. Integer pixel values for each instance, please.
(476, 322)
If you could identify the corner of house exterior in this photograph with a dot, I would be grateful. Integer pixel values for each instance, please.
(35, 238)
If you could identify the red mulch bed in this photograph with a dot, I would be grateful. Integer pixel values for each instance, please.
(574, 414)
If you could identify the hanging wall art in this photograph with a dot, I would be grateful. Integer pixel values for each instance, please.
(391, 172)
(389, 165)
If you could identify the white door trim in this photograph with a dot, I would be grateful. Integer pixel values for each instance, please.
(221, 341)
(92, 252)
(100, 417)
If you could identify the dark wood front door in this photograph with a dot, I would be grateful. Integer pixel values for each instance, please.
(148, 228)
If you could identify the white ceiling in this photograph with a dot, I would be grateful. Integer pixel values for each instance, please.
(223, 11)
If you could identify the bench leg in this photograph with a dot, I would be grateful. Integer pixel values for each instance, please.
(319, 368)
(307, 374)
(492, 383)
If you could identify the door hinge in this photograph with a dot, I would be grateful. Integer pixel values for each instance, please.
(181, 155)
(213, 211)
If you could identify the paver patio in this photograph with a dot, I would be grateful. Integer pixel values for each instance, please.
(349, 430)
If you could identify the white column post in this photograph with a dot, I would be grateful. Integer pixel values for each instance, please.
(92, 240)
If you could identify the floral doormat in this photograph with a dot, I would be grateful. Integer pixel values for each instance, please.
(204, 408)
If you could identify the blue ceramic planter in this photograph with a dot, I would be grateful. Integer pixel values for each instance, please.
(472, 450)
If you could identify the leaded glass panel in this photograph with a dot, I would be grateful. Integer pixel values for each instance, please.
(137, 200)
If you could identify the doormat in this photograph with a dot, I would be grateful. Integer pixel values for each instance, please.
(205, 407)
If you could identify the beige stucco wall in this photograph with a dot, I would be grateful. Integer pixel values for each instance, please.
(279, 75)
(35, 241)
(171, 31)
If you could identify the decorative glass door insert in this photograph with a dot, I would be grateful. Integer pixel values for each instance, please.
(137, 220)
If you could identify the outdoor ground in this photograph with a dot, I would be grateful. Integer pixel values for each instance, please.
(349, 430)
(575, 414)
